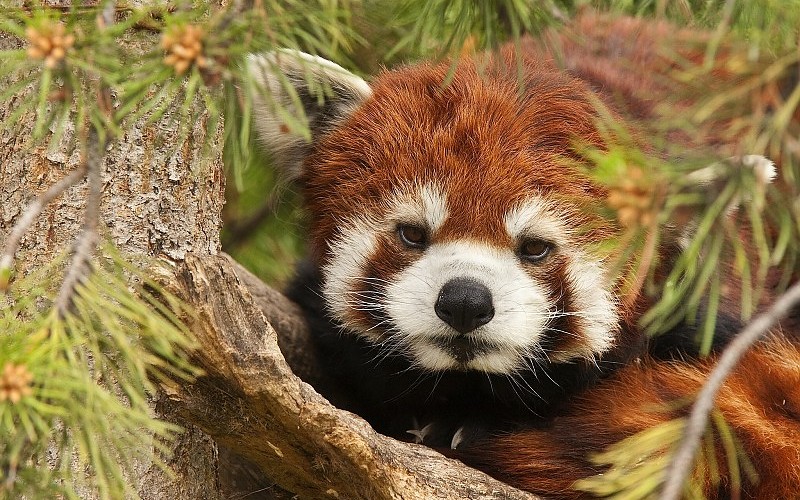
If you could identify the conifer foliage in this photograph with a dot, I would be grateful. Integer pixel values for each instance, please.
(85, 340)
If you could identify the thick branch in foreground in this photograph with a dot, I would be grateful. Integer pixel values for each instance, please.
(251, 402)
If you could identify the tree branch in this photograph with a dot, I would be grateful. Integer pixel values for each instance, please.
(87, 239)
(683, 458)
(251, 402)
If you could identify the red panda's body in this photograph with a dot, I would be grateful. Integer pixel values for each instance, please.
(465, 303)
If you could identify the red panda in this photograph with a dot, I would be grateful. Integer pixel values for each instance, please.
(454, 282)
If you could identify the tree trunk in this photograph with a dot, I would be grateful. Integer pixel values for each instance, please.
(155, 203)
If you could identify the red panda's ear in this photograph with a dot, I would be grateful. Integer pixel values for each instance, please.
(292, 89)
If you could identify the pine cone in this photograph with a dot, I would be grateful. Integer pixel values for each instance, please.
(15, 382)
(184, 46)
(49, 42)
(632, 199)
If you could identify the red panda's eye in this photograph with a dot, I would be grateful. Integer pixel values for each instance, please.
(412, 236)
(535, 250)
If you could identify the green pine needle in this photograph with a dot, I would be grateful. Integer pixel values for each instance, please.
(92, 375)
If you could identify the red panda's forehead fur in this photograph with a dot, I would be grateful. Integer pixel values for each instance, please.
(487, 141)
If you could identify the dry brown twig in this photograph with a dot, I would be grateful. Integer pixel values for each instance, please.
(684, 457)
(87, 239)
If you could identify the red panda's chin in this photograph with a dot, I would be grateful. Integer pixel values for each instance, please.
(442, 356)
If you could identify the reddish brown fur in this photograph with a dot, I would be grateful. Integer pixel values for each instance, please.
(419, 130)
(760, 401)
(453, 135)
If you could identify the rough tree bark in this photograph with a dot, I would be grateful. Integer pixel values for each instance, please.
(153, 204)
(249, 401)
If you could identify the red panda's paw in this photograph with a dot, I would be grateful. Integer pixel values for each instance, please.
(451, 435)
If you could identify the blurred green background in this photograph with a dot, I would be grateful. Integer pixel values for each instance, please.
(264, 226)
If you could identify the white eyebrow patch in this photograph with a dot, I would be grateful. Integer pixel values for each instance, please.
(426, 204)
(534, 218)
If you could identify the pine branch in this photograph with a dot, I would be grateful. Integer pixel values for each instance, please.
(86, 243)
(683, 458)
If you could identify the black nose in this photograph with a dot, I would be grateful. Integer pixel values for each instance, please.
(464, 304)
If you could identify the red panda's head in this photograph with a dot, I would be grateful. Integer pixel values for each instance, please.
(449, 221)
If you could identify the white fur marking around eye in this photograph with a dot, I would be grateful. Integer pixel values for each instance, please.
(424, 205)
(349, 252)
(357, 240)
(595, 304)
(435, 205)
(535, 218)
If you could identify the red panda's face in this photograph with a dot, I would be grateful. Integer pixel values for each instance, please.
(450, 227)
